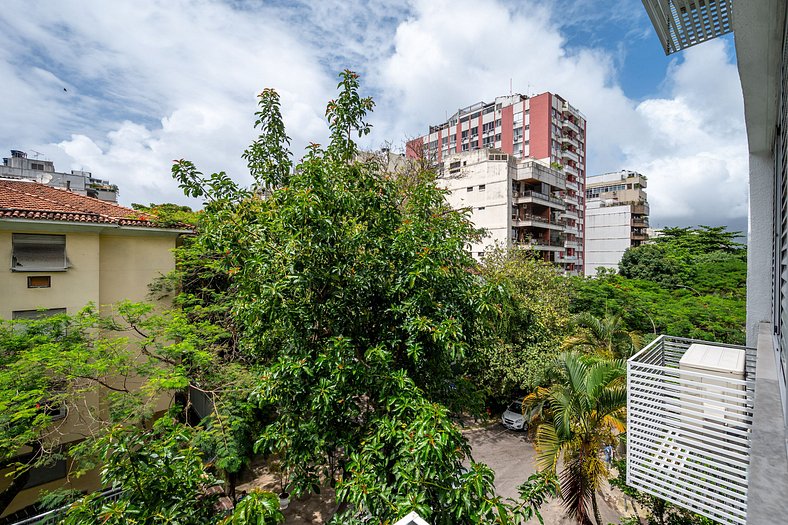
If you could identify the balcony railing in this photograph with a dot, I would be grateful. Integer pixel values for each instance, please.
(529, 196)
(527, 219)
(689, 427)
(55, 516)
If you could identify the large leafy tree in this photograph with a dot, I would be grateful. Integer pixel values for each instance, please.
(581, 412)
(358, 306)
(534, 319)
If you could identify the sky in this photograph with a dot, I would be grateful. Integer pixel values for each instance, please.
(123, 88)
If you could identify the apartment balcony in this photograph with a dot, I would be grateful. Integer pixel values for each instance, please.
(639, 222)
(535, 197)
(568, 124)
(552, 245)
(570, 140)
(572, 244)
(638, 236)
(571, 230)
(570, 185)
(535, 221)
(570, 155)
(689, 419)
(536, 171)
(566, 259)
(571, 170)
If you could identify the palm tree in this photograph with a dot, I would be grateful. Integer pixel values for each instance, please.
(606, 336)
(578, 415)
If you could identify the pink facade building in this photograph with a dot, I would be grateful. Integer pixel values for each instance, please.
(543, 127)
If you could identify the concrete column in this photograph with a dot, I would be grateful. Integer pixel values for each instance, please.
(760, 254)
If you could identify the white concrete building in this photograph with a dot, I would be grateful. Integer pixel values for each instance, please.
(515, 201)
(616, 218)
(19, 166)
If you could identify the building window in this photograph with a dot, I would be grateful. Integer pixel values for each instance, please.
(469, 189)
(47, 473)
(32, 315)
(37, 166)
(36, 253)
(480, 208)
(39, 281)
(482, 187)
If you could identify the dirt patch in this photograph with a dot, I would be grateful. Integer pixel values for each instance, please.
(308, 510)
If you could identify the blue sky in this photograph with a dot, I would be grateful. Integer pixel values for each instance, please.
(151, 81)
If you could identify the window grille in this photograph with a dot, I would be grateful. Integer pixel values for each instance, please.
(35, 253)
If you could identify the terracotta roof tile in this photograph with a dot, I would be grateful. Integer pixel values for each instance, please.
(31, 200)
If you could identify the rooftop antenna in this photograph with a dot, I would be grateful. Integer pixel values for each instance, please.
(510, 86)
(529, 89)
(36, 153)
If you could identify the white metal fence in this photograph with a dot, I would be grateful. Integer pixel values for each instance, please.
(688, 433)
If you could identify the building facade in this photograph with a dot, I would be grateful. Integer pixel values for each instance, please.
(62, 251)
(733, 467)
(616, 218)
(516, 201)
(19, 166)
(543, 127)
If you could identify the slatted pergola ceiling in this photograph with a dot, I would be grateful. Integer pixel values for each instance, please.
(683, 23)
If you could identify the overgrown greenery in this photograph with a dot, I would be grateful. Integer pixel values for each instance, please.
(690, 283)
(533, 322)
(354, 303)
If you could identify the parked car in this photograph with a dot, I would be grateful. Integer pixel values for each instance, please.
(513, 417)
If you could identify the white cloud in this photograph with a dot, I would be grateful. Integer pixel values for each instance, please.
(151, 81)
(691, 143)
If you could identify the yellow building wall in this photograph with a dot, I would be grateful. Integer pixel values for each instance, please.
(104, 269)
(128, 264)
(71, 289)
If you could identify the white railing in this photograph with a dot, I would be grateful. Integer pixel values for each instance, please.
(54, 516)
(688, 433)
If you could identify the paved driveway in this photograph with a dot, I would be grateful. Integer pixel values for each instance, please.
(511, 455)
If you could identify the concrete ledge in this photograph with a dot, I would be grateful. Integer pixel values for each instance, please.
(767, 498)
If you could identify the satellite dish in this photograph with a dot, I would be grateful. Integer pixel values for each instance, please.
(45, 178)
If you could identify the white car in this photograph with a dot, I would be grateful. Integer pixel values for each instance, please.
(513, 418)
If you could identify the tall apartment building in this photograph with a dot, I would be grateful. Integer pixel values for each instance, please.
(616, 217)
(19, 166)
(516, 201)
(543, 127)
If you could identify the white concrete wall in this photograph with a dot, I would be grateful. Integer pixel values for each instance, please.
(490, 207)
(608, 231)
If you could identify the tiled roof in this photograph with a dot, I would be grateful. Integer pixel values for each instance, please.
(30, 200)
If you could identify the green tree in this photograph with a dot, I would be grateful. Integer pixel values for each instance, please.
(606, 336)
(578, 415)
(73, 364)
(355, 303)
(164, 479)
(533, 320)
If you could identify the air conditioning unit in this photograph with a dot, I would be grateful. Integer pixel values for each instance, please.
(515, 193)
(710, 397)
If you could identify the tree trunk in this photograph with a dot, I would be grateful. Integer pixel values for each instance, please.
(597, 515)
